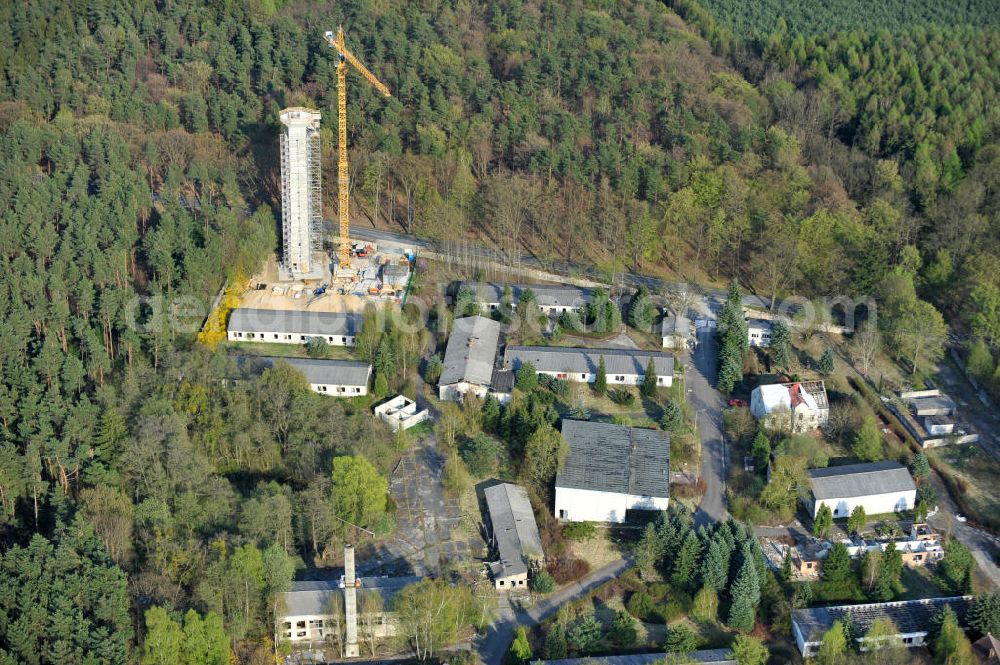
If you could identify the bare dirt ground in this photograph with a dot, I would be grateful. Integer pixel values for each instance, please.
(291, 296)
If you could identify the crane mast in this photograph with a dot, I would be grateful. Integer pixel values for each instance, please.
(336, 41)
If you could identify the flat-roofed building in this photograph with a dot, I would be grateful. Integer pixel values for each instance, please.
(469, 358)
(513, 535)
(611, 469)
(276, 326)
(622, 366)
(912, 619)
(400, 412)
(878, 487)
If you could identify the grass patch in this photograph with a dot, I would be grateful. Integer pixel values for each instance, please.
(971, 475)
(286, 350)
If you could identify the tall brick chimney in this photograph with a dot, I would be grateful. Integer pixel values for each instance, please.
(350, 605)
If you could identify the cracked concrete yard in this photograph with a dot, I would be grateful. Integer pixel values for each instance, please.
(427, 535)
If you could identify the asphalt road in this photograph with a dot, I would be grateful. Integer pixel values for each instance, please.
(494, 644)
(707, 403)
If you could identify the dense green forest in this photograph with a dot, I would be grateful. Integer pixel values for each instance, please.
(603, 132)
(758, 19)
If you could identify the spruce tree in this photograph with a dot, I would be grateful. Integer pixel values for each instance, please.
(857, 521)
(781, 344)
(715, 566)
(601, 380)
(823, 521)
(920, 467)
(984, 614)
(745, 595)
(825, 365)
(761, 450)
(555, 642)
(649, 380)
(648, 552)
(685, 564)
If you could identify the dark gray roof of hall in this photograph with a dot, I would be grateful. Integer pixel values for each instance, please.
(546, 295)
(325, 372)
(868, 479)
(910, 616)
(294, 322)
(605, 457)
(586, 361)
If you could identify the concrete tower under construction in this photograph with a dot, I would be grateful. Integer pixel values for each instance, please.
(301, 194)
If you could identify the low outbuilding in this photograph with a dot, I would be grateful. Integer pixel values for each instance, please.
(514, 538)
(878, 487)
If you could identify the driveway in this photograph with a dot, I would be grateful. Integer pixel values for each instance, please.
(708, 404)
(494, 644)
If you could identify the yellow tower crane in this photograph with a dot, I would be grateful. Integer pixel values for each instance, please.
(337, 42)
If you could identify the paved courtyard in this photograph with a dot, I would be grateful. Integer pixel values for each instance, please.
(428, 534)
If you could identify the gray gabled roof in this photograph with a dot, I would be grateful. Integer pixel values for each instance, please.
(585, 361)
(614, 458)
(674, 324)
(705, 656)
(546, 295)
(471, 352)
(294, 322)
(513, 526)
(839, 482)
(909, 616)
(313, 597)
(328, 372)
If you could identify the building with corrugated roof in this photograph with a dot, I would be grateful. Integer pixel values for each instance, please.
(912, 619)
(469, 358)
(622, 366)
(514, 535)
(277, 326)
(550, 298)
(316, 612)
(336, 378)
(611, 469)
(878, 487)
(702, 657)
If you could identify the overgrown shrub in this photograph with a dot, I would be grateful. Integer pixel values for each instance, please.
(542, 582)
(568, 569)
(621, 397)
(642, 606)
(579, 530)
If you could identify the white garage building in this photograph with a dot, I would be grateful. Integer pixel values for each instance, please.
(611, 469)
(292, 327)
(622, 366)
(878, 487)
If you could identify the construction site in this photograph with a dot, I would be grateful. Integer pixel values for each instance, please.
(312, 271)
